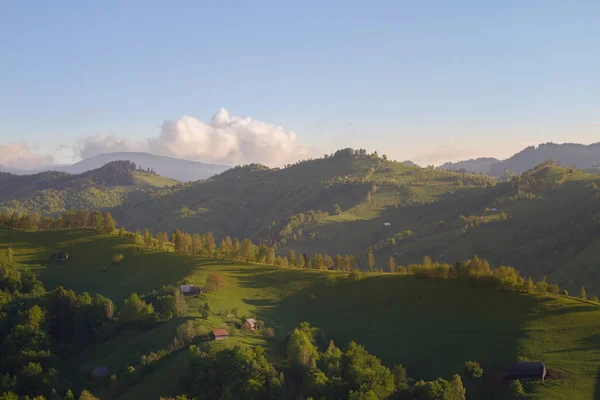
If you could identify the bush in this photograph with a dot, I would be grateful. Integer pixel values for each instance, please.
(565, 292)
(355, 276)
(473, 369)
(269, 333)
(117, 258)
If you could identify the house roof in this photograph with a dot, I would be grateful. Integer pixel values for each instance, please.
(251, 321)
(527, 368)
(220, 332)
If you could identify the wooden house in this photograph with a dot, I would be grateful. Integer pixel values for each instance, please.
(219, 334)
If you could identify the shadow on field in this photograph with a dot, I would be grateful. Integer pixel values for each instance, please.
(597, 386)
(430, 326)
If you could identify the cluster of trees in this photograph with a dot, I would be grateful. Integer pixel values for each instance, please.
(69, 220)
(479, 270)
(293, 227)
(323, 371)
(39, 328)
(234, 249)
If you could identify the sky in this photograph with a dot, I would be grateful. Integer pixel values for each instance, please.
(274, 82)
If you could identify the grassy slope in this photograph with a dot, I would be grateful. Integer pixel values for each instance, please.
(430, 326)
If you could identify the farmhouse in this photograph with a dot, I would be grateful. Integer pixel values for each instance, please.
(189, 290)
(527, 370)
(219, 334)
(250, 323)
(59, 256)
(99, 373)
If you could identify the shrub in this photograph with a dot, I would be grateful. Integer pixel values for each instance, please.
(355, 276)
(473, 369)
(269, 333)
(117, 258)
(565, 292)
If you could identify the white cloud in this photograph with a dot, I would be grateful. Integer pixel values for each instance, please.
(22, 156)
(225, 139)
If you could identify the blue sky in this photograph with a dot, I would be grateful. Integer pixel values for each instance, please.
(429, 80)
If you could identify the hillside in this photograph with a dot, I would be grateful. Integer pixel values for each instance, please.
(545, 223)
(430, 326)
(395, 210)
(52, 192)
(475, 166)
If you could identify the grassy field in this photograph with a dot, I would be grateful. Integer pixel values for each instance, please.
(430, 326)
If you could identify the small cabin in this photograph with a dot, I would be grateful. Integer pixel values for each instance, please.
(250, 323)
(387, 224)
(59, 256)
(189, 290)
(527, 370)
(99, 373)
(219, 334)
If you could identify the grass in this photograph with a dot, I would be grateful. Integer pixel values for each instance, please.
(430, 326)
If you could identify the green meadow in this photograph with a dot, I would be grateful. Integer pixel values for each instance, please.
(430, 326)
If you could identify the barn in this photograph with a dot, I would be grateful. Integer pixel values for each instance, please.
(527, 370)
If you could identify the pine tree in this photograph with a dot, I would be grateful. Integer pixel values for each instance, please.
(292, 258)
(583, 294)
(392, 264)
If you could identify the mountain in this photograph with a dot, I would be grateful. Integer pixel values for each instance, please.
(580, 155)
(476, 166)
(173, 168)
(51, 192)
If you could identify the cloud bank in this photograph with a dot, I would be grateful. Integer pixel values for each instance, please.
(226, 139)
(21, 156)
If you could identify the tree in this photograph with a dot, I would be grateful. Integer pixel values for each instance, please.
(206, 311)
(301, 350)
(515, 389)
(457, 390)
(292, 258)
(582, 293)
(121, 231)
(85, 395)
(472, 369)
(392, 264)
(109, 223)
(270, 256)
(9, 254)
(216, 280)
(337, 209)
(179, 302)
(594, 298)
(370, 260)
(134, 308)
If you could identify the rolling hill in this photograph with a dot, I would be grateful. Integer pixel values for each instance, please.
(53, 192)
(430, 326)
(545, 223)
(169, 167)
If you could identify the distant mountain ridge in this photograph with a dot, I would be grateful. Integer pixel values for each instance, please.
(168, 167)
(475, 166)
(586, 157)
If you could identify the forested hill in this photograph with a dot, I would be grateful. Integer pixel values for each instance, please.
(262, 203)
(51, 192)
